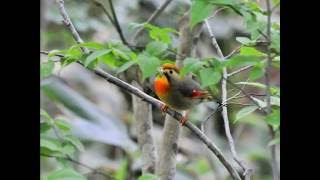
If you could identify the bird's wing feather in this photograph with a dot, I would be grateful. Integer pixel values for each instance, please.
(190, 88)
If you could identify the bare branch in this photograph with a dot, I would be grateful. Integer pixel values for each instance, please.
(94, 171)
(232, 52)
(216, 12)
(69, 24)
(99, 4)
(239, 70)
(247, 171)
(116, 23)
(154, 15)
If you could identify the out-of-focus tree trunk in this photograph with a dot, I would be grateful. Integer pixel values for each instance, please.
(142, 112)
(166, 166)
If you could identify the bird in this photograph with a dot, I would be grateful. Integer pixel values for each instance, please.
(177, 92)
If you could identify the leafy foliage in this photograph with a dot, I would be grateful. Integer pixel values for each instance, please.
(59, 148)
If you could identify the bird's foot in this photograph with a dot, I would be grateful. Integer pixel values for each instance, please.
(183, 120)
(164, 108)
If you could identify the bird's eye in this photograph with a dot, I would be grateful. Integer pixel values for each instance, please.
(170, 72)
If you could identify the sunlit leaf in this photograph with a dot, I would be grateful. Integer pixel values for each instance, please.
(50, 144)
(209, 76)
(148, 65)
(95, 55)
(200, 10)
(46, 68)
(156, 48)
(256, 73)
(121, 173)
(148, 176)
(75, 141)
(65, 174)
(191, 65)
(125, 66)
(274, 119)
(250, 51)
(245, 112)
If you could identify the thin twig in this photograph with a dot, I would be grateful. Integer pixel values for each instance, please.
(239, 70)
(216, 12)
(177, 116)
(117, 25)
(233, 52)
(154, 15)
(246, 170)
(69, 24)
(99, 4)
(94, 171)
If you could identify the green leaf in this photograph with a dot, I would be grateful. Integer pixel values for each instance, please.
(274, 119)
(275, 43)
(256, 73)
(148, 176)
(244, 112)
(121, 173)
(125, 66)
(54, 52)
(255, 84)
(44, 127)
(250, 51)
(209, 77)
(65, 174)
(200, 10)
(95, 55)
(50, 144)
(148, 65)
(274, 2)
(242, 60)
(156, 48)
(160, 34)
(68, 149)
(62, 125)
(92, 45)
(75, 142)
(191, 65)
(202, 166)
(245, 41)
(74, 52)
(46, 68)
(46, 117)
(274, 100)
(132, 26)
(120, 53)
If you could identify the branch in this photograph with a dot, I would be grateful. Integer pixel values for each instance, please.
(99, 4)
(276, 174)
(168, 148)
(69, 24)
(117, 25)
(81, 164)
(177, 116)
(239, 70)
(233, 52)
(154, 15)
(247, 171)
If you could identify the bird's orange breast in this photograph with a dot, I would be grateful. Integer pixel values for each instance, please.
(161, 86)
